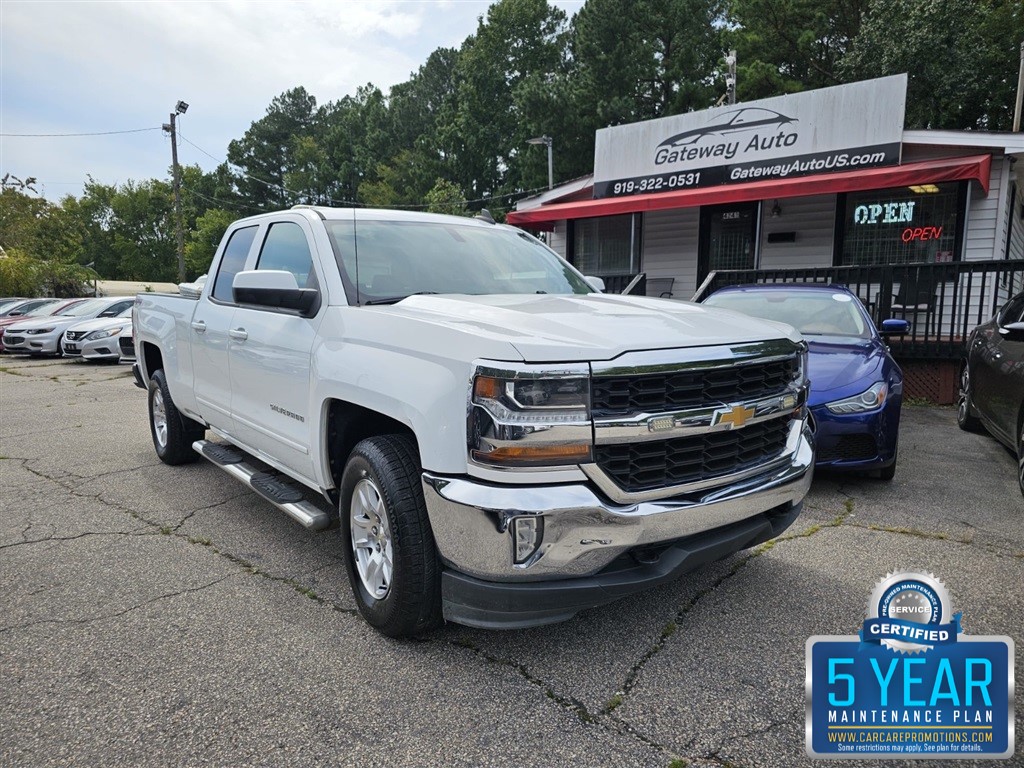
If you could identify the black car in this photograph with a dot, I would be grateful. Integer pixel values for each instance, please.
(992, 380)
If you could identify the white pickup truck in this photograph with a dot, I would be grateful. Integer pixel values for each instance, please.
(501, 444)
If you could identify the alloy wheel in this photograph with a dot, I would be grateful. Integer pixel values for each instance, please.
(371, 539)
(159, 418)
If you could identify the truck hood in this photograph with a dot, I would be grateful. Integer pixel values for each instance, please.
(548, 328)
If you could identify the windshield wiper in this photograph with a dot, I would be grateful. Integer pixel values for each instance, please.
(396, 299)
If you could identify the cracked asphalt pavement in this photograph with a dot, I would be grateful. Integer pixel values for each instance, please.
(157, 616)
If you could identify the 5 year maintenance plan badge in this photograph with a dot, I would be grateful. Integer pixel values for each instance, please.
(912, 684)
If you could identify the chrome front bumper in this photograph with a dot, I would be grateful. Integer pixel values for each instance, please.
(583, 532)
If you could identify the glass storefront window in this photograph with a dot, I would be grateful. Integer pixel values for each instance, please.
(607, 245)
(902, 225)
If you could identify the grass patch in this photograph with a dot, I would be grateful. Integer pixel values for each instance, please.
(613, 703)
(668, 630)
(5, 369)
(679, 763)
(199, 540)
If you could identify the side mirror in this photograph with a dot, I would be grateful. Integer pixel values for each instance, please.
(274, 289)
(1012, 331)
(595, 282)
(894, 327)
(16, 313)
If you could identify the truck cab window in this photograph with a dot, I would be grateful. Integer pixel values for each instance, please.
(235, 253)
(286, 248)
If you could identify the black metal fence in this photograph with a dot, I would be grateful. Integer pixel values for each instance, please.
(942, 302)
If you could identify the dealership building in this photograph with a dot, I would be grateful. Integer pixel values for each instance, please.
(821, 186)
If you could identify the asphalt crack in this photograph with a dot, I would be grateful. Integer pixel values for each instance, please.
(46, 539)
(117, 614)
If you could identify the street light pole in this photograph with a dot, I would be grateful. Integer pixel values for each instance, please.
(172, 128)
(546, 141)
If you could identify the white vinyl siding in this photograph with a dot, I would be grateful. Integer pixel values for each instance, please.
(669, 248)
(813, 221)
(986, 217)
(557, 239)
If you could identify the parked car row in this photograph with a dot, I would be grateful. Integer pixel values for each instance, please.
(92, 329)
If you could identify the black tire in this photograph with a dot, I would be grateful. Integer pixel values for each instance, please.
(387, 469)
(965, 417)
(888, 473)
(1020, 458)
(179, 431)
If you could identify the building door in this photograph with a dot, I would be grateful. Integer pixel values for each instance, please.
(728, 238)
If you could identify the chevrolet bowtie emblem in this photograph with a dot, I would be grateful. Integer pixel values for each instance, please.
(735, 417)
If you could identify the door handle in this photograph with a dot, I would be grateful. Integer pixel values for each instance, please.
(238, 333)
(199, 326)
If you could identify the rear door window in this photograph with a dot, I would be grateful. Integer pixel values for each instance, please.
(232, 262)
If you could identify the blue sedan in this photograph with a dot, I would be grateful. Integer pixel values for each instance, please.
(856, 386)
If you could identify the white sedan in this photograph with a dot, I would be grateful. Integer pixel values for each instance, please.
(42, 336)
(97, 339)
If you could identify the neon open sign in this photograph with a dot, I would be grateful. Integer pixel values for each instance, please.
(910, 234)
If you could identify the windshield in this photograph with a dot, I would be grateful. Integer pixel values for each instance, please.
(91, 307)
(387, 261)
(813, 313)
(42, 310)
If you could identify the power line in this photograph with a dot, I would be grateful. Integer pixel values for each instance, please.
(96, 133)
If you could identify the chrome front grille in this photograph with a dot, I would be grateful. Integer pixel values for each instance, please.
(680, 421)
(660, 392)
(75, 335)
(654, 464)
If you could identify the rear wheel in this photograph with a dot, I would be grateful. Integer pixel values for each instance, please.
(1020, 458)
(964, 409)
(389, 549)
(173, 434)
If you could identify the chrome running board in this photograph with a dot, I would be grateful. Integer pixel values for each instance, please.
(282, 495)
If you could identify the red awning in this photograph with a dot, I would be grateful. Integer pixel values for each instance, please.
(976, 167)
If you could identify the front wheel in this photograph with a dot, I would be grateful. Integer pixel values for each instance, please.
(888, 473)
(173, 433)
(389, 549)
(964, 416)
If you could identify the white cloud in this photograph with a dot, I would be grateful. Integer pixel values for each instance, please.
(93, 66)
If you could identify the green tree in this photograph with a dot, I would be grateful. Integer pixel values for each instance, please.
(264, 153)
(961, 57)
(204, 238)
(519, 46)
(446, 197)
(784, 46)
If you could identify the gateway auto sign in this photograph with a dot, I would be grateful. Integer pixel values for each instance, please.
(844, 128)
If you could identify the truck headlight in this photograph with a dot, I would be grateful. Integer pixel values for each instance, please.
(528, 418)
(868, 400)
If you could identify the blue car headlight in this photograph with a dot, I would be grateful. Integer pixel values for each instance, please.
(868, 400)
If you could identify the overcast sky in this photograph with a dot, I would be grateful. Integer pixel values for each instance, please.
(86, 66)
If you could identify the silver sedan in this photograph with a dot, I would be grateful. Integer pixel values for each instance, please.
(97, 339)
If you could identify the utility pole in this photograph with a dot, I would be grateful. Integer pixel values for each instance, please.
(1020, 92)
(172, 128)
(730, 79)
